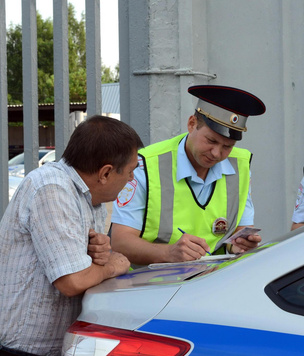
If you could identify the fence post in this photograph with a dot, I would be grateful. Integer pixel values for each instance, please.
(3, 113)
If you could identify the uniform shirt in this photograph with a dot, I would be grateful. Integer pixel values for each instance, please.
(129, 207)
(44, 236)
(298, 213)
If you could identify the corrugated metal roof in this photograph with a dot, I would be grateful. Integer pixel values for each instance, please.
(110, 102)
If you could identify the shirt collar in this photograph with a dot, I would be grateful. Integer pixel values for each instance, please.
(185, 168)
(72, 173)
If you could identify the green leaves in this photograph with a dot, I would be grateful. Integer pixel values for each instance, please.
(77, 61)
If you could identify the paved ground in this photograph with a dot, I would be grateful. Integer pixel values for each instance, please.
(108, 220)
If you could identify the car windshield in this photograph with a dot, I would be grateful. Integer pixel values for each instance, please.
(19, 159)
(49, 157)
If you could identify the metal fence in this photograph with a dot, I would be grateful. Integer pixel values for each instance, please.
(61, 79)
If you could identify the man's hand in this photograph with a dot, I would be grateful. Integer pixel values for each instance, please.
(241, 245)
(99, 247)
(187, 248)
(117, 264)
(76, 283)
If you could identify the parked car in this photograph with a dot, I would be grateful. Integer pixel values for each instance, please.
(251, 304)
(16, 168)
(13, 182)
(17, 163)
(44, 155)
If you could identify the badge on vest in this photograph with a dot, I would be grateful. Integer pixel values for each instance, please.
(220, 226)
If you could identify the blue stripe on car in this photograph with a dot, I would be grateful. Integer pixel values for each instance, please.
(209, 339)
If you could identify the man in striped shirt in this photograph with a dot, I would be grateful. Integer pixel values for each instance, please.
(51, 243)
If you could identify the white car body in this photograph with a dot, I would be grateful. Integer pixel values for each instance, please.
(16, 168)
(16, 164)
(253, 305)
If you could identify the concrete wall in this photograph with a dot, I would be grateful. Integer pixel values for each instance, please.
(254, 45)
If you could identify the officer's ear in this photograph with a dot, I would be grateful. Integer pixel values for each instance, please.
(192, 123)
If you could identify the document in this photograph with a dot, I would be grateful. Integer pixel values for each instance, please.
(244, 233)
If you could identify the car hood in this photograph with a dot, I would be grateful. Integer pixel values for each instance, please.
(132, 300)
(131, 292)
(14, 167)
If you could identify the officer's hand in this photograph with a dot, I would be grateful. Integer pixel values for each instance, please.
(187, 248)
(99, 247)
(241, 245)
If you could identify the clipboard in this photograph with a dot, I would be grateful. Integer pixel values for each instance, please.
(203, 259)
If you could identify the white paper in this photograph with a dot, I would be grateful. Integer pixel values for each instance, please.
(244, 233)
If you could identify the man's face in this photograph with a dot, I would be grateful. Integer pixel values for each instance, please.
(205, 147)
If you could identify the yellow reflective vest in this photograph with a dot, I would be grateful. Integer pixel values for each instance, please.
(171, 204)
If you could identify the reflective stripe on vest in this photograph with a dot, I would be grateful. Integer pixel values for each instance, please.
(232, 183)
(167, 196)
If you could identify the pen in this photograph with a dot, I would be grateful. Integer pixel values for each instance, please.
(185, 232)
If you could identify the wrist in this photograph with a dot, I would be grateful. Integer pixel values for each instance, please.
(106, 271)
(162, 253)
(110, 270)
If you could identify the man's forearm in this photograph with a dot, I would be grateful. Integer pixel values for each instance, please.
(126, 240)
(139, 251)
(76, 283)
(296, 225)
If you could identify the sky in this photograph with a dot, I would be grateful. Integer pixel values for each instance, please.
(108, 19)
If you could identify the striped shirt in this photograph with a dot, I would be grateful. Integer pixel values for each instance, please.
(43, 236)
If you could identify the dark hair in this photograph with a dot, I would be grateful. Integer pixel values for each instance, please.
(200, 121)
(101, 140)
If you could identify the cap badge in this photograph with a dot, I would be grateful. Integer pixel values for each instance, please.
(220, 226)
(234, 118)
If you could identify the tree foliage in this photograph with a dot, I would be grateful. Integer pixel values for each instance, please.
(77, 61)
(14, 65)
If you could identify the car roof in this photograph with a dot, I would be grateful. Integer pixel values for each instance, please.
(19, 159)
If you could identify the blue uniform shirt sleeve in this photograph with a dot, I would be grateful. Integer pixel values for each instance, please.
(298, 213)
(129, 207)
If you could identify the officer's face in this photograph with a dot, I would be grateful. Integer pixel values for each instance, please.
(206, 147)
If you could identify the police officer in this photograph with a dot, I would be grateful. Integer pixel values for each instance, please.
(192, 191)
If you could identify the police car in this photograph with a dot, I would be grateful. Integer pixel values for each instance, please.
(248, 304)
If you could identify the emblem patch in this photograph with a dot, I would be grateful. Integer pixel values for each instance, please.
(126, 195)
(299, 197)
(220, 226)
